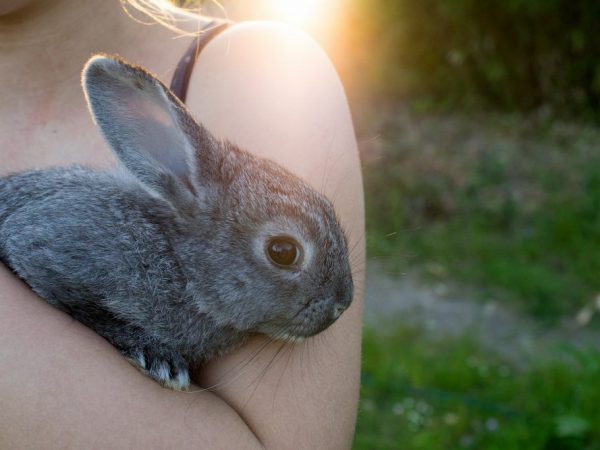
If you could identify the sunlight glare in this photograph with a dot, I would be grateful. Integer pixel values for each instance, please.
(302, 13)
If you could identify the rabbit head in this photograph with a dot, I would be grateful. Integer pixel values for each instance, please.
(262, 251)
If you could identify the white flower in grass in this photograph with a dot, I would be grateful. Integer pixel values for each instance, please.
(491, 425)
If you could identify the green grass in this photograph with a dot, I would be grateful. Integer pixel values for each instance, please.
(507, 203)
(421, 393)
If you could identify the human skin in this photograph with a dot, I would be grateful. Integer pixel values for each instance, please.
(265, 87)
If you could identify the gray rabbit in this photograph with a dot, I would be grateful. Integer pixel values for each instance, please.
(186, 248)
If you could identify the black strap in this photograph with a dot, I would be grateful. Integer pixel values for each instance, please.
(183, 72)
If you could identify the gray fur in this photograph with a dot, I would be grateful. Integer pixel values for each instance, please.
(164, 256)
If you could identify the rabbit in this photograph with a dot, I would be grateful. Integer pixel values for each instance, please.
(183, 250)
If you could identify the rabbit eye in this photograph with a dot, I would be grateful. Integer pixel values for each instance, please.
(283, 251)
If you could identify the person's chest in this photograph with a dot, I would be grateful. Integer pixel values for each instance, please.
(60, 134)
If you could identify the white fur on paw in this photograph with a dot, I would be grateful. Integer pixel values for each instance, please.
(162, 373)
(139, 357)
(138, 360)
(180, 382)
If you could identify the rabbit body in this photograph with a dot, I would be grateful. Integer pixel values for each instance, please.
(100, 248)
(186, 248)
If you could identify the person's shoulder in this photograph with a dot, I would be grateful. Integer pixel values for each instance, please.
(269, 39)
(266, 37)
(266, 50)
(264, 64)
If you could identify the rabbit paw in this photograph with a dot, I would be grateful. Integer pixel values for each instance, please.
(167, 368)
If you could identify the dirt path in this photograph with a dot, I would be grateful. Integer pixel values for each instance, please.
(441, 312)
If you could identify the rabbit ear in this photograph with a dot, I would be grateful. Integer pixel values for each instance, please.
(147, 127)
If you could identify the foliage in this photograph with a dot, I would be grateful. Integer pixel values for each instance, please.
(419, 393)
(509, 54)
(509, 203)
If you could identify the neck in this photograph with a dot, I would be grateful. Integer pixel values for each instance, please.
(44, 45)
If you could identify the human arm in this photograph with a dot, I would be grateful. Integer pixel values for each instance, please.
(63, 386)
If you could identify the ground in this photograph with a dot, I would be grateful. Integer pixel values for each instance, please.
(451, 309)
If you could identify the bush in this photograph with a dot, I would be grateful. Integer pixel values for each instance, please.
(509, 54)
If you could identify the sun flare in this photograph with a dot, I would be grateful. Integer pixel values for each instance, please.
(302, 13)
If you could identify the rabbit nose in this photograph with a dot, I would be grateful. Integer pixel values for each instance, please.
(343, 298)
(338, 309)
(344, 294)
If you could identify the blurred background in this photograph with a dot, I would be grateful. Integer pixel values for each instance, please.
(478, 124)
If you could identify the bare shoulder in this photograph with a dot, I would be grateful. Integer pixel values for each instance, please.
(270, 86)
(268, 56)
(262, 41)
